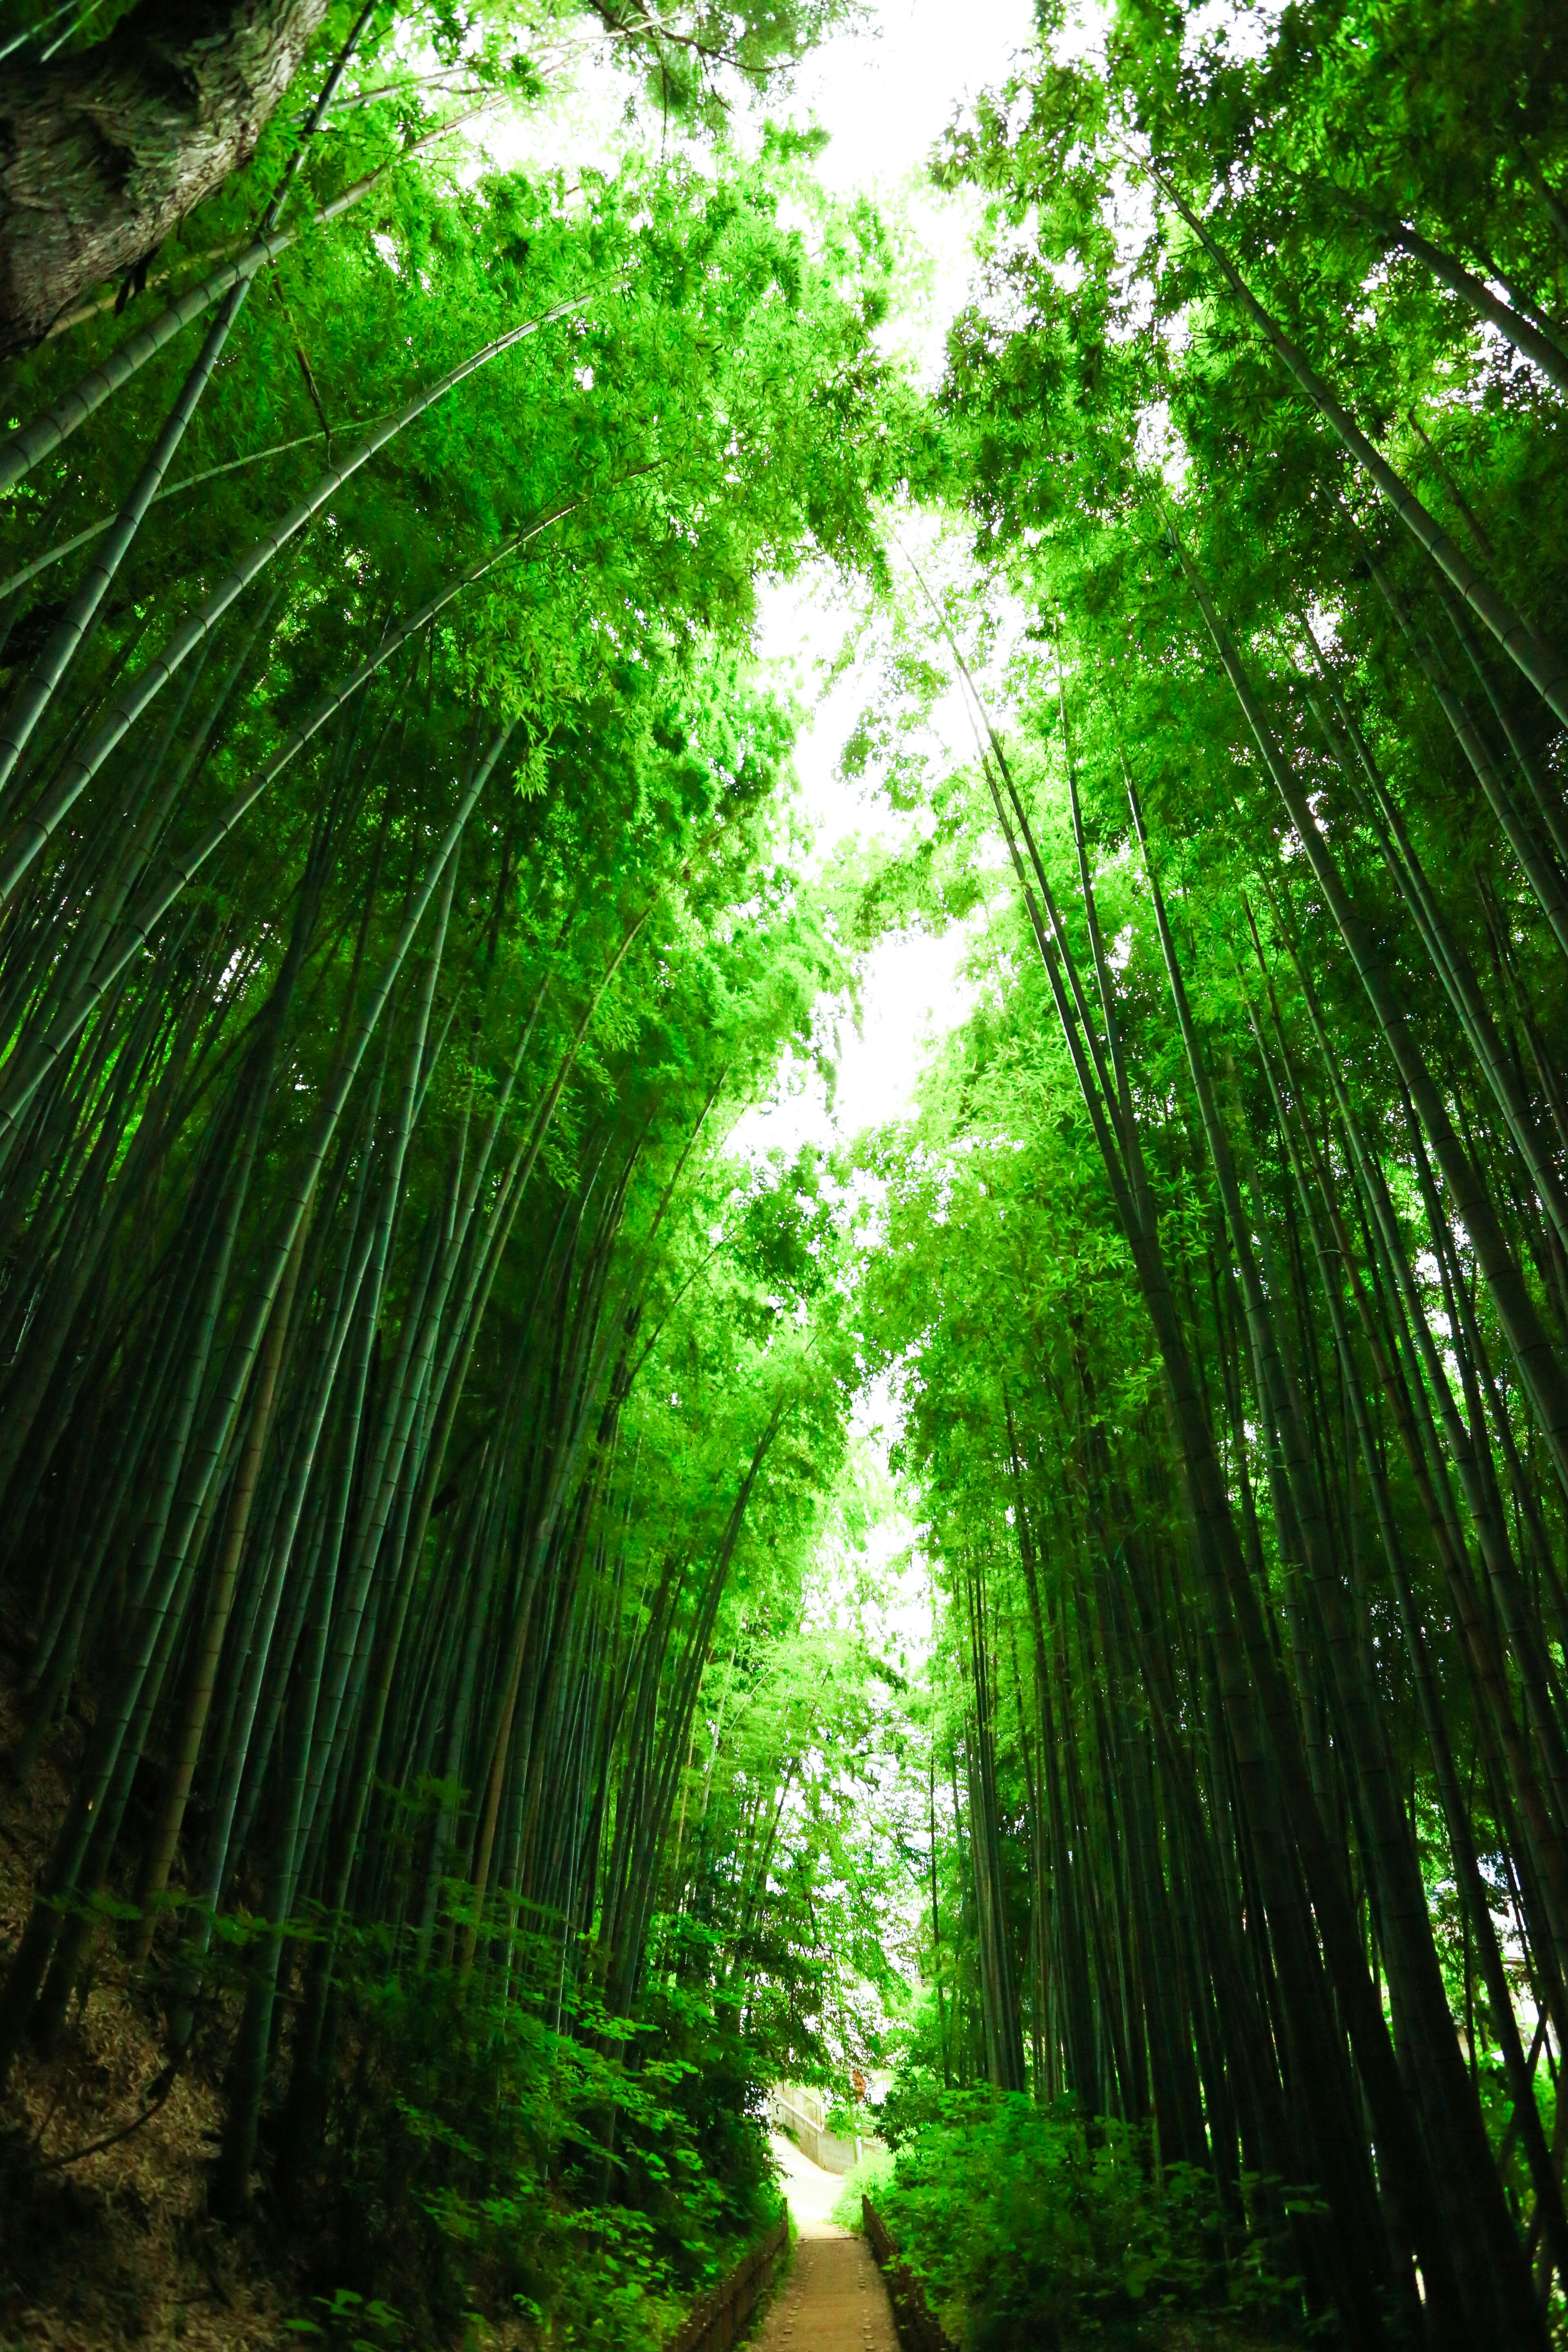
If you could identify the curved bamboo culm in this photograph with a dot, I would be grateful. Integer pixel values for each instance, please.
(1544, 665)
(1535, 1354)
(1471, 2241)
(32, 831)
(20, 1080)
(351, 1198)
(426, 1421)
(33, 698)
(27, 445)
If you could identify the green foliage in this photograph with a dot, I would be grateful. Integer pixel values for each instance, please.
(348, 2320)
(873, 2177)
(478, 1887)
(1031, 2228)
(593, 2174)
(1200, 1336)
(435, 1464)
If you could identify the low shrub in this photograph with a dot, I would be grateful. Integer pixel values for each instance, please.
(1033, 2228)
(872, 2177)
(468, 2158)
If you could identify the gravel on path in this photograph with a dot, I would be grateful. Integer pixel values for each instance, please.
(832, 2298)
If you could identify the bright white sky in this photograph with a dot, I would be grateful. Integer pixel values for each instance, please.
(885, 93)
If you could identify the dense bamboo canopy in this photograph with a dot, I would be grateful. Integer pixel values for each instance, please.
(450, 1700)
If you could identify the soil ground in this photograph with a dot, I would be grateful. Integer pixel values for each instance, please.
(832, 2299)
(111, 2248)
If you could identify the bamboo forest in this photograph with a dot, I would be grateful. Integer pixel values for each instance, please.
(783, 1175)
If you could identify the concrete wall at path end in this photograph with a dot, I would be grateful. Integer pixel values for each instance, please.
(786, 2114)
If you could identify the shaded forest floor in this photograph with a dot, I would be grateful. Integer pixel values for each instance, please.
(111, 2248)
(1188, 2331)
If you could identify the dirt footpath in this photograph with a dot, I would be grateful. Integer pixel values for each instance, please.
(832, 2299)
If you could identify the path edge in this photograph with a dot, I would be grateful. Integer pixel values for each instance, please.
(717, 2321)
(913, 2321)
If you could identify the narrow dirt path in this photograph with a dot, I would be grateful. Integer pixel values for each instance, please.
(834, 2299)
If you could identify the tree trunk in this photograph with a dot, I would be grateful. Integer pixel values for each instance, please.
(104, 152)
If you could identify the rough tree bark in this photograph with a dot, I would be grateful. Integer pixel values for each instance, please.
(104, 152)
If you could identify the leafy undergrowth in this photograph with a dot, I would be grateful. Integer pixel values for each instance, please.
(474, 2166)
(456, 2192)
(873, 2177)
(1031, 2231)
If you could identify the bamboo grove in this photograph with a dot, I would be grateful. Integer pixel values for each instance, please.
(404, 1397)
(1225, 1264)
(419, 1431)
